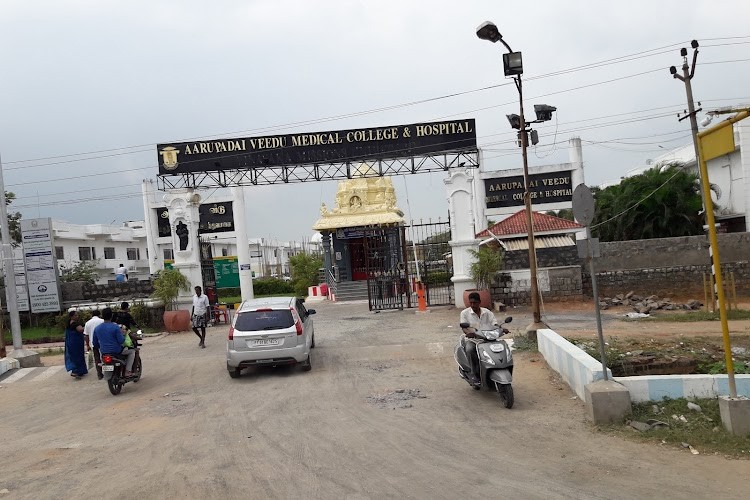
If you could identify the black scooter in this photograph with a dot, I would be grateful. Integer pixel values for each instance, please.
(495, 361)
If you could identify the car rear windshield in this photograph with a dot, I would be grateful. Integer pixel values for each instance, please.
(264, 320)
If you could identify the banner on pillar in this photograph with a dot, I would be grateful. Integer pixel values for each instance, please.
(548, 187)
(214, 218)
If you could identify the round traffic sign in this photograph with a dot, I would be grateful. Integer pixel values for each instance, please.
(583, 204)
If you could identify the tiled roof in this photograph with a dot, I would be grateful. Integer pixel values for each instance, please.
(516, 224)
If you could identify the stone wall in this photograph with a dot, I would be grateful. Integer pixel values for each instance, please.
(557, 284)
(545, 257)
(674, 281)
(669, 267)
(79, 291)
(683, 251)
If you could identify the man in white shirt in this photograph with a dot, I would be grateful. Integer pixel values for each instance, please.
(199, 312)
(478, 318)
(121, 273)
(88, 331)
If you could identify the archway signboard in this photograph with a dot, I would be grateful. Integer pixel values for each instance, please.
(316, 156)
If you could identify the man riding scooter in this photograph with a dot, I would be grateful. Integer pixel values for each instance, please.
(479, 318)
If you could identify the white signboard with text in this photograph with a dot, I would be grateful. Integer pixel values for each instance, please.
(22, 289)
(41, 272)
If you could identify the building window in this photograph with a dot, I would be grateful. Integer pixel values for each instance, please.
(168, 254)
(59, 253)
(134, 254)
(84, 253)
(109, 252)
(224, 252)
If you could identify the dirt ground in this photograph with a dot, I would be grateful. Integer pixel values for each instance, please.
(382, 414)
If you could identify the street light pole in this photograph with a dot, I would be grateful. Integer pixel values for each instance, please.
(513, 66)
(537, 323)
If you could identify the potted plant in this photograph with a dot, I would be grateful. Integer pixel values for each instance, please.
(167, 286)
(487, 262)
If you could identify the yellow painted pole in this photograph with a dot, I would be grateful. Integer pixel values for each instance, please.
(716, 262)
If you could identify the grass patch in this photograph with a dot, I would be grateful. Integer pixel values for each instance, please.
(703, 430)
(522, 343)
(734, 314)
(44, 335)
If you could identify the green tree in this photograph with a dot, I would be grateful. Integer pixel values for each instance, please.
(305, 268)
(487, 262)
(662, 202)
(80, 271)
(167, 286)
(14, 220)
(565, 213)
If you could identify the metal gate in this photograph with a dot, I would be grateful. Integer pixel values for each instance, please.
(430, 253)
(384, 264)
(208, 272)
(392, 257)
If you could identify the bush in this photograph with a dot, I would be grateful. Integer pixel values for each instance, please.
(229, 292)
(305, 269)
(271, 286)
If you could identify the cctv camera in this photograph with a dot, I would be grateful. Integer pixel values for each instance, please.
(706, 121)
(544, 112)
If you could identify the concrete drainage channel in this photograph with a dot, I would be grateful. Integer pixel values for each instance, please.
(609, 401)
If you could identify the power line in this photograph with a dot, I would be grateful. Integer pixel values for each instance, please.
(606, 62)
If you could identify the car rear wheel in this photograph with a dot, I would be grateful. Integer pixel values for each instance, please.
(307, 365)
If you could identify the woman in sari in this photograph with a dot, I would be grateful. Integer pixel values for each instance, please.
(75, 356)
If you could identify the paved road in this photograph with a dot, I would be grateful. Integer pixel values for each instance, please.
(340, 431)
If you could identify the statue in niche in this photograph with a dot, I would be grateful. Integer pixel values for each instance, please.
(183, 233)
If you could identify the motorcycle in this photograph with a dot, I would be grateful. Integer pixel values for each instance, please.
(113, 367)
(495, 361)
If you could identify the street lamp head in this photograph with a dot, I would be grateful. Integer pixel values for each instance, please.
(544, 112)
(672, 70)
(694, 44)
(683, 52)
(488, 31)
(515, 121)
(513, 63)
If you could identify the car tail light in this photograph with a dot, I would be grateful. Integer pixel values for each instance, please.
(297, 321)
(231, 333)
(106, 358)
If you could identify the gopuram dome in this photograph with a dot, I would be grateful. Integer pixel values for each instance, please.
(362, 202)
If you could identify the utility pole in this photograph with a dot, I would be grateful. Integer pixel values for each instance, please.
(686, 77)
(10, 279)
(708, 209)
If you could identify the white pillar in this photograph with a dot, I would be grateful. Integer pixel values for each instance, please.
(184, 219)
(576, 159)
(480, 205)
(150, 224)
(243, 244)
(744, 130)
(460, 206)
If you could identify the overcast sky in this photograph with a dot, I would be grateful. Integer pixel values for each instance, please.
(81, 78)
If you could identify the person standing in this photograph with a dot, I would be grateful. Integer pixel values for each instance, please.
(75, 356)
(88, 331)
(121, 274)
(199, 312)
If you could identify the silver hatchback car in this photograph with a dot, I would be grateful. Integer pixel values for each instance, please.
(270, 331)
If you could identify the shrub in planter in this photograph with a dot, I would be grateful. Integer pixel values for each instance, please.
(167, 286)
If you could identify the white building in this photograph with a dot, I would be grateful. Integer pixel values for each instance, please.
(729, 176)
(108, 246)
